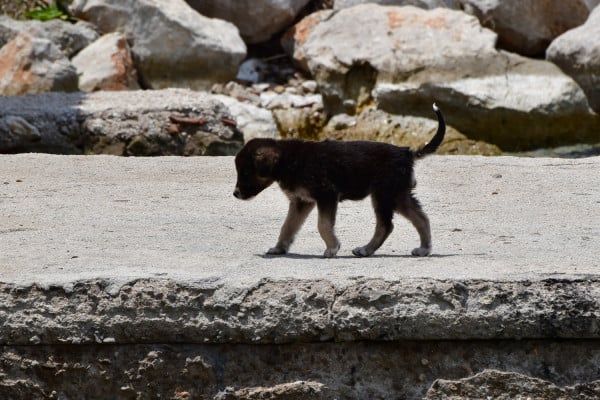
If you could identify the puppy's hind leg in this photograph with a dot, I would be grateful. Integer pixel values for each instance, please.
(326, 223)
(410, 208)
(297, 213)
(384, 213)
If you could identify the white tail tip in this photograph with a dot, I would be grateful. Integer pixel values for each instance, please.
(435, 107)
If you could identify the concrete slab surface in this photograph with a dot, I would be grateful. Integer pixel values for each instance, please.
(144, 278)
(70, 218)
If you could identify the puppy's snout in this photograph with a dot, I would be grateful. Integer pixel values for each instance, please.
(236, 193)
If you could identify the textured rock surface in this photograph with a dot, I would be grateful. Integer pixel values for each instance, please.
(151, 311)
(258, 21)
(106, 64)
(532, 104)
(70, 38)
(419, 55)
(297, 112)
(173, 45)
(252, 120)
(34, 65)
(528, 27)
(408, 131)
(509, 385)
(523, 27)
(579, 57)
(143, 123)
(289, 391)
(411, 44)
(330, 370)
(455, 4)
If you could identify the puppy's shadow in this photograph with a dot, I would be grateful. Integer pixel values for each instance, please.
(296, 256)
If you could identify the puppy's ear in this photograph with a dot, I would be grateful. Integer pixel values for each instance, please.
(266, 160)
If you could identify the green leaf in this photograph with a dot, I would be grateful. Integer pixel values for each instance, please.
(45, 13)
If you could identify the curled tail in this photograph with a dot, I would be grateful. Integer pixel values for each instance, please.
(435, 142)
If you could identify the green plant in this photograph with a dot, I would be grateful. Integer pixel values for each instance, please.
(48, 12)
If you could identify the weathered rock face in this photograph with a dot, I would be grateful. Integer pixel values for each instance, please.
(253, 121)
(258, 20)
(429, 4)
(532, 104)
(70, 38)
(578, 55)
(421, 55)
(298, 390)
(98, 339)
(408, 131)
(304, 371)
(172, 44)
(106, 64)
(408, 44)
(528, 27)
(523, 27)
(33, 65)
(508, 385)
(137, 123)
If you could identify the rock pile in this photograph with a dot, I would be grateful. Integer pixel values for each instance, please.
(516, 74)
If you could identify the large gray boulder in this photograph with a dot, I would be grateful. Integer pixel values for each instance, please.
(523, 26)
(531, 105)
(405, 43)
(34, 65)
(258, 20)
(173, 45)
(70, 38)
(415, 56)
(528, 26)
(577, 53)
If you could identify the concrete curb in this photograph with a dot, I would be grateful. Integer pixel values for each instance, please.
(275, 312)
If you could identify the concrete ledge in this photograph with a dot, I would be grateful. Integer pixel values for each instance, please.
(143, 258)
(161, 311)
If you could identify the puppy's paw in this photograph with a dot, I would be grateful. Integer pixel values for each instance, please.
(331, 251)
(421, 251)
(276, 251)
(362, 252)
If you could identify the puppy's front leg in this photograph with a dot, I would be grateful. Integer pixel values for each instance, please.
(297, 213)
(326, 223)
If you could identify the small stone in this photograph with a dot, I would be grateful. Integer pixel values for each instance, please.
(309, 86)
(35, 339)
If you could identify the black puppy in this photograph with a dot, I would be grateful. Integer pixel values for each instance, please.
(324, 173)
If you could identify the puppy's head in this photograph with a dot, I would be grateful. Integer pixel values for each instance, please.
(256, 165)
